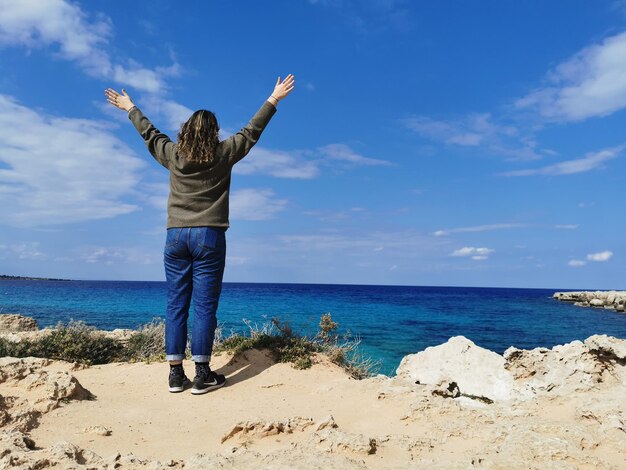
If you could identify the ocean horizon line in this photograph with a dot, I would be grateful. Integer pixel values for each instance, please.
(426, 286)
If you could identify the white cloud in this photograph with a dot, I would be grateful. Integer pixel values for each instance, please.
(601, 256)
(33, 23)
(589, 162)
(255, 204)
(301, 164)
(23, 251)
(155, 194)
(471, 130)
(591, 83)
(174, 113)
(342, 152)
(236, 260)
(117, 255)
(138, 77)
(576, 263)
(566, 226)
(37, 23)
(277, 163)
(61, 170)
(401, 244)
(477, 228)
(337, 255)
(478, 254)
(476, 130)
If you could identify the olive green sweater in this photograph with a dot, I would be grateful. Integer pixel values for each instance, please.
(199, 191)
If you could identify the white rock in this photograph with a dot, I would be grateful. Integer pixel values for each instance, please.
(607, 345)
(476, 371)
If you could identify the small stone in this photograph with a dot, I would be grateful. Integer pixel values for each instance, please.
(447, 389)
(10, 323)
(328, 422)
(98, 430)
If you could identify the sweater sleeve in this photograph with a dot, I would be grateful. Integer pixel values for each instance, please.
(160, 145)
(238, 145)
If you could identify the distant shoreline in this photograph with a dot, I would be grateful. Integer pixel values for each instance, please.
(315, 284)
(4, 277)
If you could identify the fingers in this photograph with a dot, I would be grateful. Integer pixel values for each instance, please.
(289, 83)
(111, 94)
(124, 92)
(278, 81)
(112, 97)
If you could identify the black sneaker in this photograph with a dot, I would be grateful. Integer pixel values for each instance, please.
(178, 379)
(207, 380)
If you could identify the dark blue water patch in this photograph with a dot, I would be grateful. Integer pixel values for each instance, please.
(391, 321)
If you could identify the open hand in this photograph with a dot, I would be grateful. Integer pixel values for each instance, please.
(282, 89)
(122, 101)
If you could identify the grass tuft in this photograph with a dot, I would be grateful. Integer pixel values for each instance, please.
(148, 342)
(73, 342)
(78, 342)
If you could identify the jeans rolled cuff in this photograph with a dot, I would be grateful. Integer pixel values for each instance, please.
(201, 358)
(174, 357)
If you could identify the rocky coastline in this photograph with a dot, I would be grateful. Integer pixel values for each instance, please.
(5, 277)
(452, 406)
(611, 300)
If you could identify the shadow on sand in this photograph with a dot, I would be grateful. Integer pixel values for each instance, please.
(246, 365)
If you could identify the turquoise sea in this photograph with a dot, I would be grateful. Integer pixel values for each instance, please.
(391, 321)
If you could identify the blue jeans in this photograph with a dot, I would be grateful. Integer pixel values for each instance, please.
(194, 266)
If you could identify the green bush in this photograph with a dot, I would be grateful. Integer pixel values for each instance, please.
(327, 329)
(147, 343)
(278, 338)
(77, 342)
(74, 342)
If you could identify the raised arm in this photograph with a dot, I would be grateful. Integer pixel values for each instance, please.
(160, 145)
(238, 145)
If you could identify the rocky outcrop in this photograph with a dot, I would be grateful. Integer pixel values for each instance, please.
(573, 367)
(13, 323)
(475, 371)
(324, 434)
(613, 300)
(258, 429)
(451, 406)
(25, 329)
(459, 368)
(29, 388)
(42, 385)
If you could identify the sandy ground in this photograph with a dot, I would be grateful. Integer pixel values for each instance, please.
(380, 423)
(145, 419)
(567, 410)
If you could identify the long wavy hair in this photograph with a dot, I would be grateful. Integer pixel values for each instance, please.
(198, 137)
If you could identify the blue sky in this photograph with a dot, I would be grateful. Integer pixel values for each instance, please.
(426, 143)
